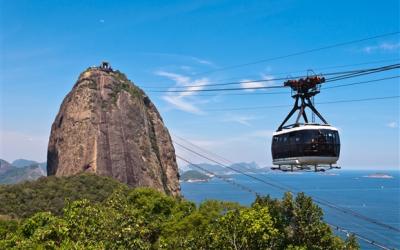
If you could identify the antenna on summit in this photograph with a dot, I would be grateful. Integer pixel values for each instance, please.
(105, 66)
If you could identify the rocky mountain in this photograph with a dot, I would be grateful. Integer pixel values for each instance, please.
(108, 126)
(4, 166)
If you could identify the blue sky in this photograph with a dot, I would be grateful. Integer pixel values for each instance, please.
(46, 44)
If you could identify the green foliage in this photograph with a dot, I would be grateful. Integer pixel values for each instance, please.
(7, 226)
(247, 228)
(300, 222)
(124, 84)
(143, 218)
(50, 193)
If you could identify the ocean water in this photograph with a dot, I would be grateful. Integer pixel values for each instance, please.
(376, 198)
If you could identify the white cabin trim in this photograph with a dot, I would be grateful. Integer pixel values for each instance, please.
(305, 127)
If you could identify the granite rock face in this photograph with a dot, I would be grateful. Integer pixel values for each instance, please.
(108, 126)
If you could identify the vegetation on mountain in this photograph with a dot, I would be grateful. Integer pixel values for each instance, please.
(143, 218)
(51, 193)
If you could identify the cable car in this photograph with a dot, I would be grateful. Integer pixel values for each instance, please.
(305, 146)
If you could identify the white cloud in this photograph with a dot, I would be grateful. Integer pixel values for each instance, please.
(269, 81)
(181, 104)
(101, 20)
(386, 46)
(183, 100)
(203, 61)
(392, 125)
(250, 84)
(179, 79)
(241, 119)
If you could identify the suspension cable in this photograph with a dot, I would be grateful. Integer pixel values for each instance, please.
(297, 53)
(285, 92)
(343, 75)
(318, 201)
(338, 228)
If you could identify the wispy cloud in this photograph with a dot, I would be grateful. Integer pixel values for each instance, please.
(246, 83)
(184, 58)
(179, 79)
(386, 46)
(203, 61)
(249, 84)
(183, 100)
(182, 104)
(241, 119)
(392, 125)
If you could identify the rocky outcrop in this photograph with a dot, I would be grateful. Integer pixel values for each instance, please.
(108, 126)
(4, 166)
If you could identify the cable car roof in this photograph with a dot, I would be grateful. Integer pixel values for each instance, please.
(306, 127)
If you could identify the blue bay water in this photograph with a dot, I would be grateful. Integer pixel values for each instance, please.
(373, 197)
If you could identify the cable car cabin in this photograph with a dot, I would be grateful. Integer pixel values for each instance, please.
(306, 145)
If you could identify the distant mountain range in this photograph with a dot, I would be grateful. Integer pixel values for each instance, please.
(21, 170)
(221, 170)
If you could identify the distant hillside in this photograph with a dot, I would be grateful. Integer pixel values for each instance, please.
(50, 193)
(16, 175)
(4, 166)
(23, 170)
(20, 163)
(217, 169)
(193, 175)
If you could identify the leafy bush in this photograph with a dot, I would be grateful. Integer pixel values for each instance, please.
(143, 218)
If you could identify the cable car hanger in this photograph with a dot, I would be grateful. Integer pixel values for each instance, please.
(305, 146)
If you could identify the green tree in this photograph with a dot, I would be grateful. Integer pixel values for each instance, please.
(190, 229)
(246, 228)
(301, 222)
(143, 218)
